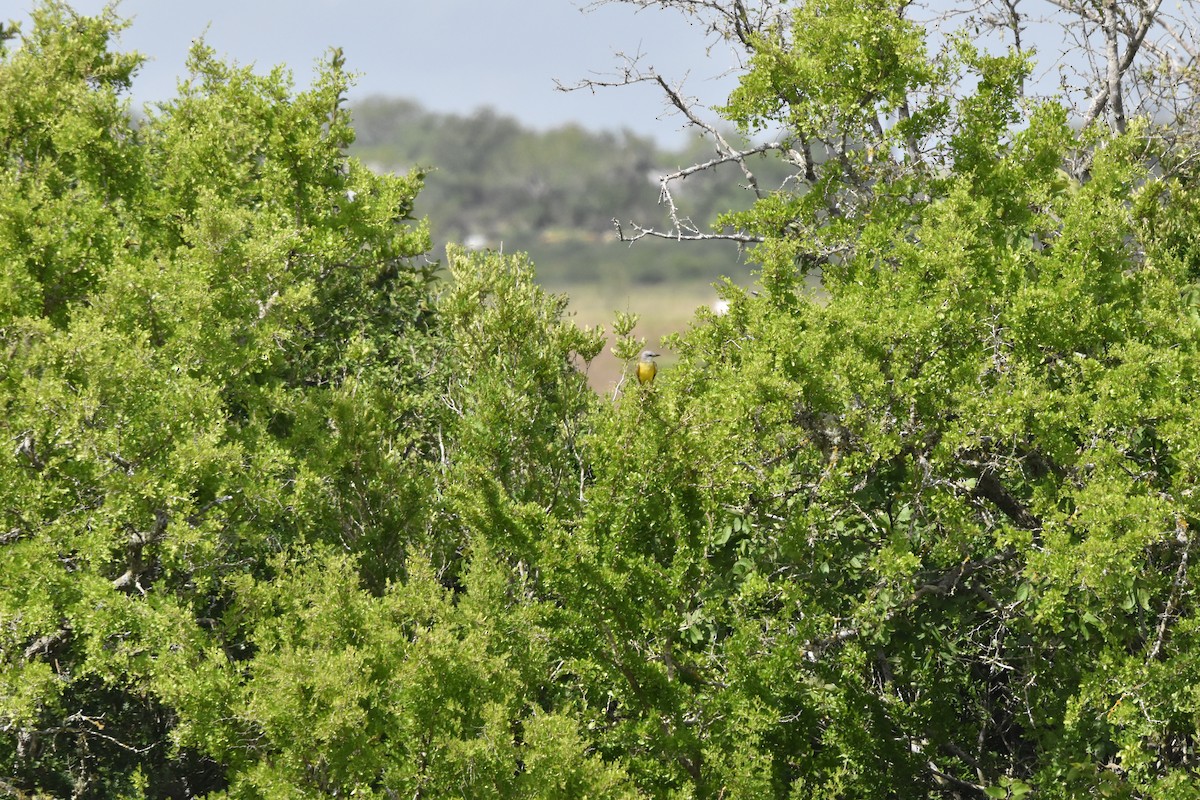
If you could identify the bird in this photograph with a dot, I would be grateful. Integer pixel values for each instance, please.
(646, 367)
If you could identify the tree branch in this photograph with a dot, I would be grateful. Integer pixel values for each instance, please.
(28, 448)
(43, 644)
(946, 583)
(136, 545)
(1183, 536)
(1115, 102)
(694, 234)
(989, 488)
(1131, 51)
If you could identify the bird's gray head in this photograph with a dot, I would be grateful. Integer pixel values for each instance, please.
(647, 355)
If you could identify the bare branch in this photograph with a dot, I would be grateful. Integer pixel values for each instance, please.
(1131, 50)
(695, 235)
(724, 148)
(1184, 537)
(723, 19)
(1180, 39)
(631, 73)
(1015, 25)
(733, 155)
(1080, 10)
(989, 487)
(96, 725)
(1115, 101)
(135, 548)
(43, 644)
(28, 448)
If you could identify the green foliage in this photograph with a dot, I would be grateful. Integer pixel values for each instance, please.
(285, 514)
(207, 324)
(836, 65)
(251, 449)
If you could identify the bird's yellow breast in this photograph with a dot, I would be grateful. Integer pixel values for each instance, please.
(645, 371)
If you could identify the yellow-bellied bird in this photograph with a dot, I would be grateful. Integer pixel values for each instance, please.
(646, 367)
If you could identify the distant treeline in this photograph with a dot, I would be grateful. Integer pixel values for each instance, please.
(494, 182)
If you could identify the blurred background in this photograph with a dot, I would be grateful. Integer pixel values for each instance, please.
(469, 91)
(553, 194)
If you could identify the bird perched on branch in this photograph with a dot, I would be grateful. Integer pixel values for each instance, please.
(646, 367)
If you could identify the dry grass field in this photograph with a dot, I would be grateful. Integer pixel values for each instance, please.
(662, 308)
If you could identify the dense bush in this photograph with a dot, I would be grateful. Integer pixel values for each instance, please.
(288, 513)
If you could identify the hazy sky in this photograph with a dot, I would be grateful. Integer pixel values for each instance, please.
(450, 55)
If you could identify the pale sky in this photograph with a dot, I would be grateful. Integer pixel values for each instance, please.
(460, 55)
(449, 55)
